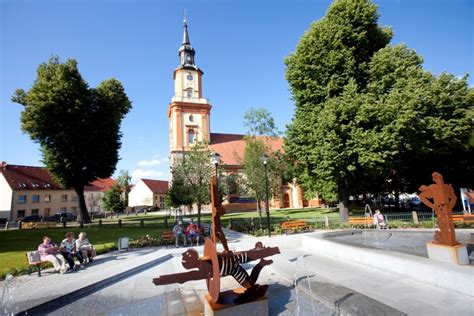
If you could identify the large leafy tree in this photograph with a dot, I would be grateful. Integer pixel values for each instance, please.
(195, 171)
(368, 118)
(179, 192)
(77, 127)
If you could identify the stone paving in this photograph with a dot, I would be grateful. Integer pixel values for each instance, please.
(325, 286)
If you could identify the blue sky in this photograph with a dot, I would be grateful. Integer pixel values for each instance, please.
(240, 46)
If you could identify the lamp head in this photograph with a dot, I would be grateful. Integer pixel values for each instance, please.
(215, 157)
(265, 159)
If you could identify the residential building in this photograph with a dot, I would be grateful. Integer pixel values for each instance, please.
(28, 190)
(147, 192)
(94, 193)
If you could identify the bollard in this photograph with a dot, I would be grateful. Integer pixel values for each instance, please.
(166, 223)
(326, 221)
(19, 224)
(120, 223)
(100, 223)
(64, 223)
(415, 217)
(230, 223)
(81, 224)
(141, 223)
(6, 225)
(253, 223)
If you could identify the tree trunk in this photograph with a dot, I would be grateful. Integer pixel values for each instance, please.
(343, 197)
(199, 215)
(83, 213)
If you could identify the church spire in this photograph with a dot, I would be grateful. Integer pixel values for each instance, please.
(186, 51)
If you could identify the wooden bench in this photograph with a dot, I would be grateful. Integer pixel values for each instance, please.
(293, 226)
(167, 237)
(33, 225)
(463, 218)
(34, 262)
(361, 221)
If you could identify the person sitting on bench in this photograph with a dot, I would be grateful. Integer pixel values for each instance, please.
(69, 251)
(85, 247)
(49, 252)
(192, 231)
(178, 232)
(379, 220)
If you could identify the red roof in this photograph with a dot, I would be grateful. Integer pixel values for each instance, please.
(27, 177)
(156, 186)
(231, 147)
(100, 185)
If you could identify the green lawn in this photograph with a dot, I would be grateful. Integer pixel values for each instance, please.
(14, 243)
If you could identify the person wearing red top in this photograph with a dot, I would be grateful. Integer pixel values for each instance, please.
(192, 231)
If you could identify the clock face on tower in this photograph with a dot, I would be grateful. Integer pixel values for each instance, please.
(190, 77)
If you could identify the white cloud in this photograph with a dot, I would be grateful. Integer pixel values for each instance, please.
(154, 162)
(138, 174)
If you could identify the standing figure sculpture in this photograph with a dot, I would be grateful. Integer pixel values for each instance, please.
(443, 201)
(217, 233)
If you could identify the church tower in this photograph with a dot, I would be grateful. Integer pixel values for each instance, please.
(188, 111)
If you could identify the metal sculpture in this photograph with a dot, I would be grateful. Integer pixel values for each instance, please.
(443, 201)
(214, 265)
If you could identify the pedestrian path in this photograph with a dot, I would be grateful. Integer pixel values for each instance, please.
(324, 286)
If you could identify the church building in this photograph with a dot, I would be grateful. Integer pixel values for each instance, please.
(189, 116)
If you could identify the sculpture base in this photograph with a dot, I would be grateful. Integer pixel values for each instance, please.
(449, 254)
(226, 305)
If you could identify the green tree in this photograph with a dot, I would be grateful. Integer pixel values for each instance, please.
(113, 199)
(260, 122)
(195, 169)
(123, 180)
(179, 192)
(368, 117)
(77, 127)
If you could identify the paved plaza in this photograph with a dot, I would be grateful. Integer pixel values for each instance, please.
(120, 284)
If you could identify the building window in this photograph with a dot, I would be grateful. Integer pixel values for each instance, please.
(63, 197)
(20, 213)
(74, 210)
(47, 198)
(34, 211)
(35, 198)
(156, 197)
(162, 205)
(63, 209)
(191, 136)
(47, 211)
(74, 198)
(162, 198)
(22, 199)
(191, 118)
(189, 93)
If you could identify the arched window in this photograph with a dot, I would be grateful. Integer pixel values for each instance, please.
(191, 136)
(191, 118)
(189, 93)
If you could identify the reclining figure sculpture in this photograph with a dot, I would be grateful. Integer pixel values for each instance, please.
(214, 265)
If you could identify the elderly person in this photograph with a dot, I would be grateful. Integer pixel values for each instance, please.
(192, 231)
(69, 251)
(178, 232)
(85, 247)
(49, 251)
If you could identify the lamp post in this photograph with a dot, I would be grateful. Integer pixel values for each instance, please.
(215, 157)
(265, 163)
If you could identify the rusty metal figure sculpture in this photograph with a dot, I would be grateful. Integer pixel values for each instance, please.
(214, 265)
(443, 202)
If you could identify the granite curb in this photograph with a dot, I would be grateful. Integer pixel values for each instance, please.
(68, 298)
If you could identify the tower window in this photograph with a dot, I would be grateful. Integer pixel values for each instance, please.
(189, 93)
(191, 136)
(191, 118)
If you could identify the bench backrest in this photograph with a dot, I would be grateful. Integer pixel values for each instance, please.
(33, 256)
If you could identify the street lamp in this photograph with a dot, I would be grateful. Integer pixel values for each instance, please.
(215, 157)
(265, 163)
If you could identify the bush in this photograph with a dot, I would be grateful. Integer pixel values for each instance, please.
(146, 241)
